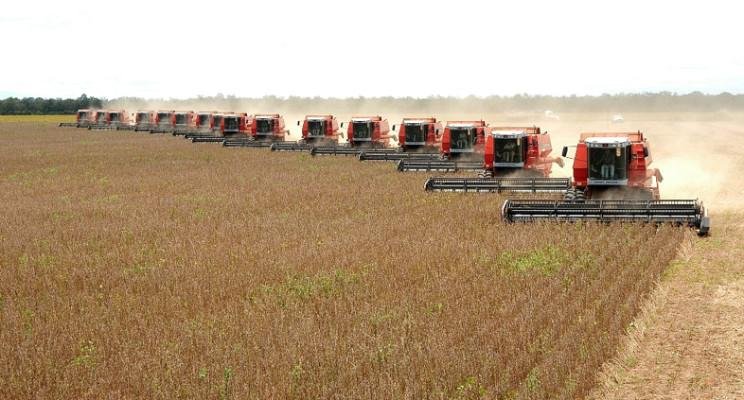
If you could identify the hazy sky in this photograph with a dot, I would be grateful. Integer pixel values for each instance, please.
(375, 48)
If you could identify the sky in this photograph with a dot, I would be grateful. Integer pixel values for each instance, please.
(158, 49)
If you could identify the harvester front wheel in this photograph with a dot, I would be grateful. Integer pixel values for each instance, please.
(485, 173)
(574, 196)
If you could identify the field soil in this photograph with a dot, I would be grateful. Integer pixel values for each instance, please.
(144, 266)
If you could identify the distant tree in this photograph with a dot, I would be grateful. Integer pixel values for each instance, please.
(38, 105)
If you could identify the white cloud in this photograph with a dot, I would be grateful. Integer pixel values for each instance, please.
(164, 49)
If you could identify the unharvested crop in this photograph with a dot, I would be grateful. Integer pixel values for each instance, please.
(142, 266)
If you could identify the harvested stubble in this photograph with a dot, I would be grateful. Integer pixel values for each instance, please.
(144, 266)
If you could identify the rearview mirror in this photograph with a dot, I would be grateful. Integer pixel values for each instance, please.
(342, 124)
(393, 128)
(645, 152)
(565, 151)
(298, 123)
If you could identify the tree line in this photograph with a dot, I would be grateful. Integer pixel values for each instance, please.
(42, 106)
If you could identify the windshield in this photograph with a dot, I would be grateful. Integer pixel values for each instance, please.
(362, 130)
(203, 119)
(114, 117)
(142, 117)
(415, 133)
(608, 163)
(315, 128)
(462, 138)
(264, 125)
(164, 118)
(231, 123)
(509, 150)
(181, 119)
(82, 115)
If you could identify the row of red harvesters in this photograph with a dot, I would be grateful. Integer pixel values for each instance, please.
(511, 159)
(469, 140)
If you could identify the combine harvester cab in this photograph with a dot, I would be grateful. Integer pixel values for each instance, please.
(515, 159)
(418, 138)
(185, 122)
(262, 131)
(317, 130)
(612, 181)
(144, 121)
(83, 118)
(232, 125)
(165, 122)
(461, 148)
(363, 132)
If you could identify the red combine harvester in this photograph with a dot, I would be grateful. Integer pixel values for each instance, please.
(364, 132)
(234, 124)
(518, 150)
(262, 131)
(144, 120)
(418, 138)
(612, 181)
(110, 120)
(316, 130)
(519, 156)
(462, 147)
(185, 122)
(165, 122)
(83, 119)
